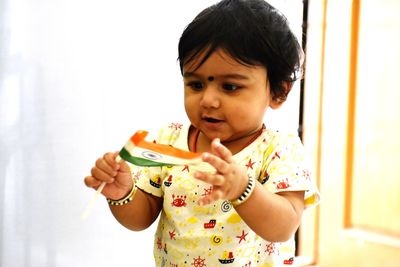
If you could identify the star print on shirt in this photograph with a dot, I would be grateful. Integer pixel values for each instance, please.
(250, 164)
(276, 155)
(186, 168)
(172, 234)
(207, 191)
(242, 237)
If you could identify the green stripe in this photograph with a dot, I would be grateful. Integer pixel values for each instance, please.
(125, 155)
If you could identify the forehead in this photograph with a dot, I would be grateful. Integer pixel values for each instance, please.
(199, 59)
(219, 63)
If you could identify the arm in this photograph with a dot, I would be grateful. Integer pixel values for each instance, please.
(140, 213)
(274, 217)
(136, 215)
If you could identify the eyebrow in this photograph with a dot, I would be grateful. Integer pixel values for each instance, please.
(231, 76)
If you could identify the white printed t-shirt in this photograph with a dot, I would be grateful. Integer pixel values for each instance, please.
(189, 235)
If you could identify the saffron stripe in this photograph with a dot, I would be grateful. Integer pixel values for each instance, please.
(138, 140)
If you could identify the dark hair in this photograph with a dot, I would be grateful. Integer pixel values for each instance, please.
(253, 32)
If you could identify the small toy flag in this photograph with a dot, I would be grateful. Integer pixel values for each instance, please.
(143, 153)
(140, 152)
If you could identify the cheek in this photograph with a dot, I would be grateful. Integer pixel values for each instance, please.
(190, 105)
(245, 113)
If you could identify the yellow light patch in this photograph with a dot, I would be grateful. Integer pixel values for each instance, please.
(234, 218)
(187, 185)
(192, 220)
(248, 252)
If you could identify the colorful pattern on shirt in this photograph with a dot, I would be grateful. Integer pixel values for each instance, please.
(189, 235)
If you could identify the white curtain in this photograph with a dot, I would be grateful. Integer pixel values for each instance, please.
(77, 78)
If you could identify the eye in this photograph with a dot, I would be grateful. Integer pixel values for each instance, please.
(230, 87)
(197, 86)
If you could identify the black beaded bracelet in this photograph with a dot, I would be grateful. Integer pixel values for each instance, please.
(124, 200)
(246, 194)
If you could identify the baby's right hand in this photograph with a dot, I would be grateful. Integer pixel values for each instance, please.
(117, 176)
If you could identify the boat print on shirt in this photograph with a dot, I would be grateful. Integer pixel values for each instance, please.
(227, 257)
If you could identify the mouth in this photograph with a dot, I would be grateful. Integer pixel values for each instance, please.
(211, 120)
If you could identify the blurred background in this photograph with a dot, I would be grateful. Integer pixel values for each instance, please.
(77, 78)
(351, 131)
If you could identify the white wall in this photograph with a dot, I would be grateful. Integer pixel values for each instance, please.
(77, 78)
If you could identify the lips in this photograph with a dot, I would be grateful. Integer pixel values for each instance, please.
(211, 119)
(212, 126)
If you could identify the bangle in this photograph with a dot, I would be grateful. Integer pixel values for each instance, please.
(246, 194)
(124, 200)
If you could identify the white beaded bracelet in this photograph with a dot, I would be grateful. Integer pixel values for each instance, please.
(124, 200)
(246, 194)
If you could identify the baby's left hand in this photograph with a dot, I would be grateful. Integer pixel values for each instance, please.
(230, 179)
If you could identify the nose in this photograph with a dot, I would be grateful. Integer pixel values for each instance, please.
(210, 98)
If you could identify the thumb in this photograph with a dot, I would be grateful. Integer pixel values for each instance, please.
(122, 165)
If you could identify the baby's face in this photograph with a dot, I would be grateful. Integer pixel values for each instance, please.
(224, 98)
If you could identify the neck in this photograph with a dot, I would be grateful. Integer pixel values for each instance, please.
(198, 141)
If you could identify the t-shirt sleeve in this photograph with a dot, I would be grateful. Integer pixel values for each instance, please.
(285, 168)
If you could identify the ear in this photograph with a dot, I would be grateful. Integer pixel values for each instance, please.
(276, 102)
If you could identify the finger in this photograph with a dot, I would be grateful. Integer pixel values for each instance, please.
(219, 164)
(213, 179)
(201, 176)
(221, 151)
(92, 182)
(107, 167)
(101, 175)
(214, 196)
(110, 159)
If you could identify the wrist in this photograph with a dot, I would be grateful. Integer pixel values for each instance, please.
(251, 184)
(124, 200)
